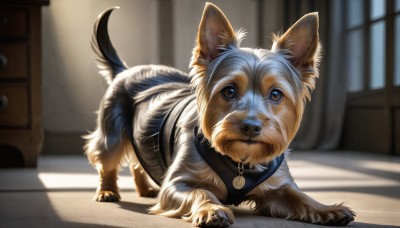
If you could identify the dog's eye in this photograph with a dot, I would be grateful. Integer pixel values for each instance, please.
(275, 96)
(229, 92)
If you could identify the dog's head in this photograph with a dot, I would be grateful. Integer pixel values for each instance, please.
(251, 101)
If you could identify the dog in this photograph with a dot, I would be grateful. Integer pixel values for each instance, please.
(216, 136)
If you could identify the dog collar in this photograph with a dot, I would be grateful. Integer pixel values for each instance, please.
(227, 170)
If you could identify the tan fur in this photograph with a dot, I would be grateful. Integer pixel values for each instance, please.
(191, 190)
(142, 182)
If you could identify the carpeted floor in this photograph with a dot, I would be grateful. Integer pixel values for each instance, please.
(59, 193)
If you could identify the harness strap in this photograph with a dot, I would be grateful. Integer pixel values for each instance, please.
(156, 156)
(168, 129)
(227, 170)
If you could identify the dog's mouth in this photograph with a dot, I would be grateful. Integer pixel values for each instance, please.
(247, 150)
(250, 142)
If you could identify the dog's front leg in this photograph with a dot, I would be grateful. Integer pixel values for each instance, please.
(290, 203)
(199, 206)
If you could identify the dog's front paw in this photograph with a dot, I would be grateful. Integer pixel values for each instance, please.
(107, 196)
(213, 216)
(339, 215)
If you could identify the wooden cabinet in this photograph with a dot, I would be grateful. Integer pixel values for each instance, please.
(21, 128)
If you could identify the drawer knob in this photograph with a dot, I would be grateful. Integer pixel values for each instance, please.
(3, 61)
(3, 101)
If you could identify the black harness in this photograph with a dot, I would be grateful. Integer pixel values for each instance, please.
(156, 152)
(162, 147)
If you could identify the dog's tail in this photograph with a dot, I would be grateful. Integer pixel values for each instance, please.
(107, 58)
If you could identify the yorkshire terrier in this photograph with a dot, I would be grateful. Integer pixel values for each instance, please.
(216, 136)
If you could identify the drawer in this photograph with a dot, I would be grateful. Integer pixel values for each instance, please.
(13, 60)
(13, 22)
(14, 109)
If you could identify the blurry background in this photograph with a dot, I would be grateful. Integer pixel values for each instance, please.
(50, 90)
(356, 103)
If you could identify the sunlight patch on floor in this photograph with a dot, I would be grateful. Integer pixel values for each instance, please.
(380, 165)
(54, 180)
(312, 175)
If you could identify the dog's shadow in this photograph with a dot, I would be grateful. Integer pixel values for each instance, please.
(137, 204)
(136, 207)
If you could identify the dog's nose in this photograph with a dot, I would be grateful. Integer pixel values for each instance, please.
(251, 127)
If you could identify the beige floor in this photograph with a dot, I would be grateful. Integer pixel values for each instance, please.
(59, 193)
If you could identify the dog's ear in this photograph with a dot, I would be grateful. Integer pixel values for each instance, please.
(302, 41)
(214, 33)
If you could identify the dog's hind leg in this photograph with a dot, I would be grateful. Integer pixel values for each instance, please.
(106, 162)
(144, 185)
(109, 162)
(107, 145)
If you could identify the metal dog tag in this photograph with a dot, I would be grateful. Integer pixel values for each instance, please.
(239, 182)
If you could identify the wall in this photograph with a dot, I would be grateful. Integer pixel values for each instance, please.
(72, 88)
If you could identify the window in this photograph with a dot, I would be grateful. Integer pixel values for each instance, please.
(378, 9)
(355, 42)
(397, 44)
(367, 34)
(377, 56)
(356, 61)
(372, 68)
